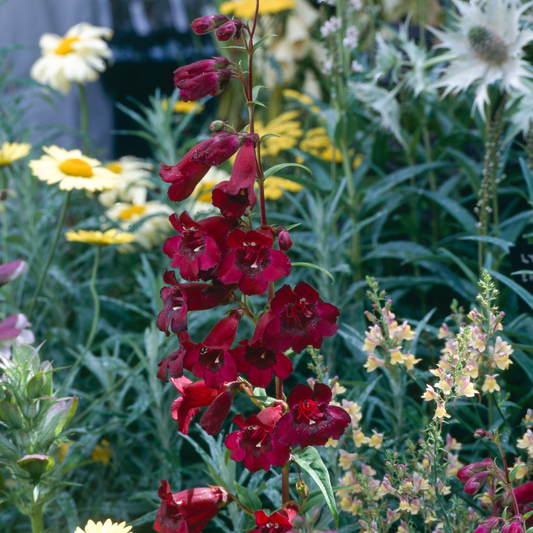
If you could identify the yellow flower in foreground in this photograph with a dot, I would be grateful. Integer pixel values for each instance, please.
(102, 452)
(302, 98)
(13, 152)
(245, 9)
(72, 170)
(274, 187)
(77, 57)
(288, 129)
(107, 527)
(98, 238)
(490, 383)
(317, 142)
(183, 107)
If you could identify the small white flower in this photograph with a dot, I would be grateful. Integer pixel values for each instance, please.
(330, 26)
(352, 38)
(327, 66)
(77, 57)
(356, 4)
(356, 66)
(487, 45)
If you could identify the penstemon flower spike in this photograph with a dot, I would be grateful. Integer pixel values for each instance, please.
(217, 257)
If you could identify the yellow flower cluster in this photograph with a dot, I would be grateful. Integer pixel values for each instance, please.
(98, 238)
(11, 152)
(302, 98)
(275, 187)
(286, 127)
(317, 143)
(245, 9)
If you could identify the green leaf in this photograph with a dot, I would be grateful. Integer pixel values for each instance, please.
(310, 460)
(457, 211)
(248, 497)
(261, 41)
(268, 135)
(292, 226)
(254, 102)
(277, 168)
(515, 470)
(504, 245)
(256, 89)
(527, 515)
(459, 262)
(528, 176)
(520, 291)
(232, 48)
(315, 266)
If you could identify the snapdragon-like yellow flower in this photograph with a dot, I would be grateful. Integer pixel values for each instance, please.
(11, 152)
(98, 238)
(490, 383)
(106, 527)
(245, 9)
(72, 170)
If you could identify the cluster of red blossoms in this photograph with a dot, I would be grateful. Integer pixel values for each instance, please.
(223, 260)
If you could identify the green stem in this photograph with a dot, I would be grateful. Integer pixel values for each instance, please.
(37, 524)
(53, 247)
(84, 118)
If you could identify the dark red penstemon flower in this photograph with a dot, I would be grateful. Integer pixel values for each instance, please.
(172, 365)
(311, 420)
(204, 66)
(212, 359)
(207, 24)
(188, 511)
(235, 196)
(278, 522)
(222, 147)
(255, 444)
(230, 30)
(196, 395)
(298, 318)
(253, 263)
(184, 176)
(196, 251)
(524, 495)
(180, 298)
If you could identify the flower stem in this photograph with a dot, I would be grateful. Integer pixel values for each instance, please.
(84, 123)
(36, 517)
(53, 247)
(285, 492)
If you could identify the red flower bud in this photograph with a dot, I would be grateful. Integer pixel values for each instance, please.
(220, 150)
(188, 511)
(474, 484)
(284, 240)
(200, 67)
(514, 527)
(465, 473)
(524, 493)
(204, 25)
(212, 83)
(213, 418)
(230, 30)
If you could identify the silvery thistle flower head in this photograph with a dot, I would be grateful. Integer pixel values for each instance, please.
(487, 44)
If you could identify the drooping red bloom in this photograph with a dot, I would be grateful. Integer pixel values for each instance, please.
(465, 473)
(255, 445)
(198, 68)
(235, 196)
(253, 263)
(230, 30)
(212, 359)
(184, 176)
(476, 482)
(196, 395)
(172, 365)
(311, 420)
(223, 145)
(298, 318)
(196, 251)
(278, 522)
(188, 511)
(259, 362)
(206, 24)
(180, 298)
(212, 83)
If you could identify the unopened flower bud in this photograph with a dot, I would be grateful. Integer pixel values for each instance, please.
(284, 239)
(468, 471)
(302, 489)
(204, 25)
(474, 484)
(480, 434)
(230, 30)
(217, 125)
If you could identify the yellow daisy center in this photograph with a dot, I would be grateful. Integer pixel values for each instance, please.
(76, 167)
(65, 46)
(115, 167)
(128, 212)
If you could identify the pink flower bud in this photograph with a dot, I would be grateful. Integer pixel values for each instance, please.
(284, 240)
(230, 30)
(465, 473)
(204, 25)
(474, 484)
(223, 147)
(212, 83)
(514, 527)
(200, 67)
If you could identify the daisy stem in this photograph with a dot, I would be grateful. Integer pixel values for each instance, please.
(36, 517)
(84, 118)
(53, 247)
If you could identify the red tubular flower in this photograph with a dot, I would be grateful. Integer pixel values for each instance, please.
(284, 240)
(212, 358)
(172, 365)
(465, 473)
(196, 395)
(212, 83)
(311, 420)
(255, 445)
(207, 24)
(476, 482)
(235, 196)
(199, 68)
(298, 318)
(524, 495)
(184, 176)
(253, 264)
(183, 297)
(196, 251)
(222, 147)
(278, 522)
(230, 30)
(188, 511)
(514, 527)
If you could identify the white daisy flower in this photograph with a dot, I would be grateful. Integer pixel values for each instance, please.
(131, 174)
(77, 57)
(106, 527)
(147, 222)
(72, 170)
(487, 44)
